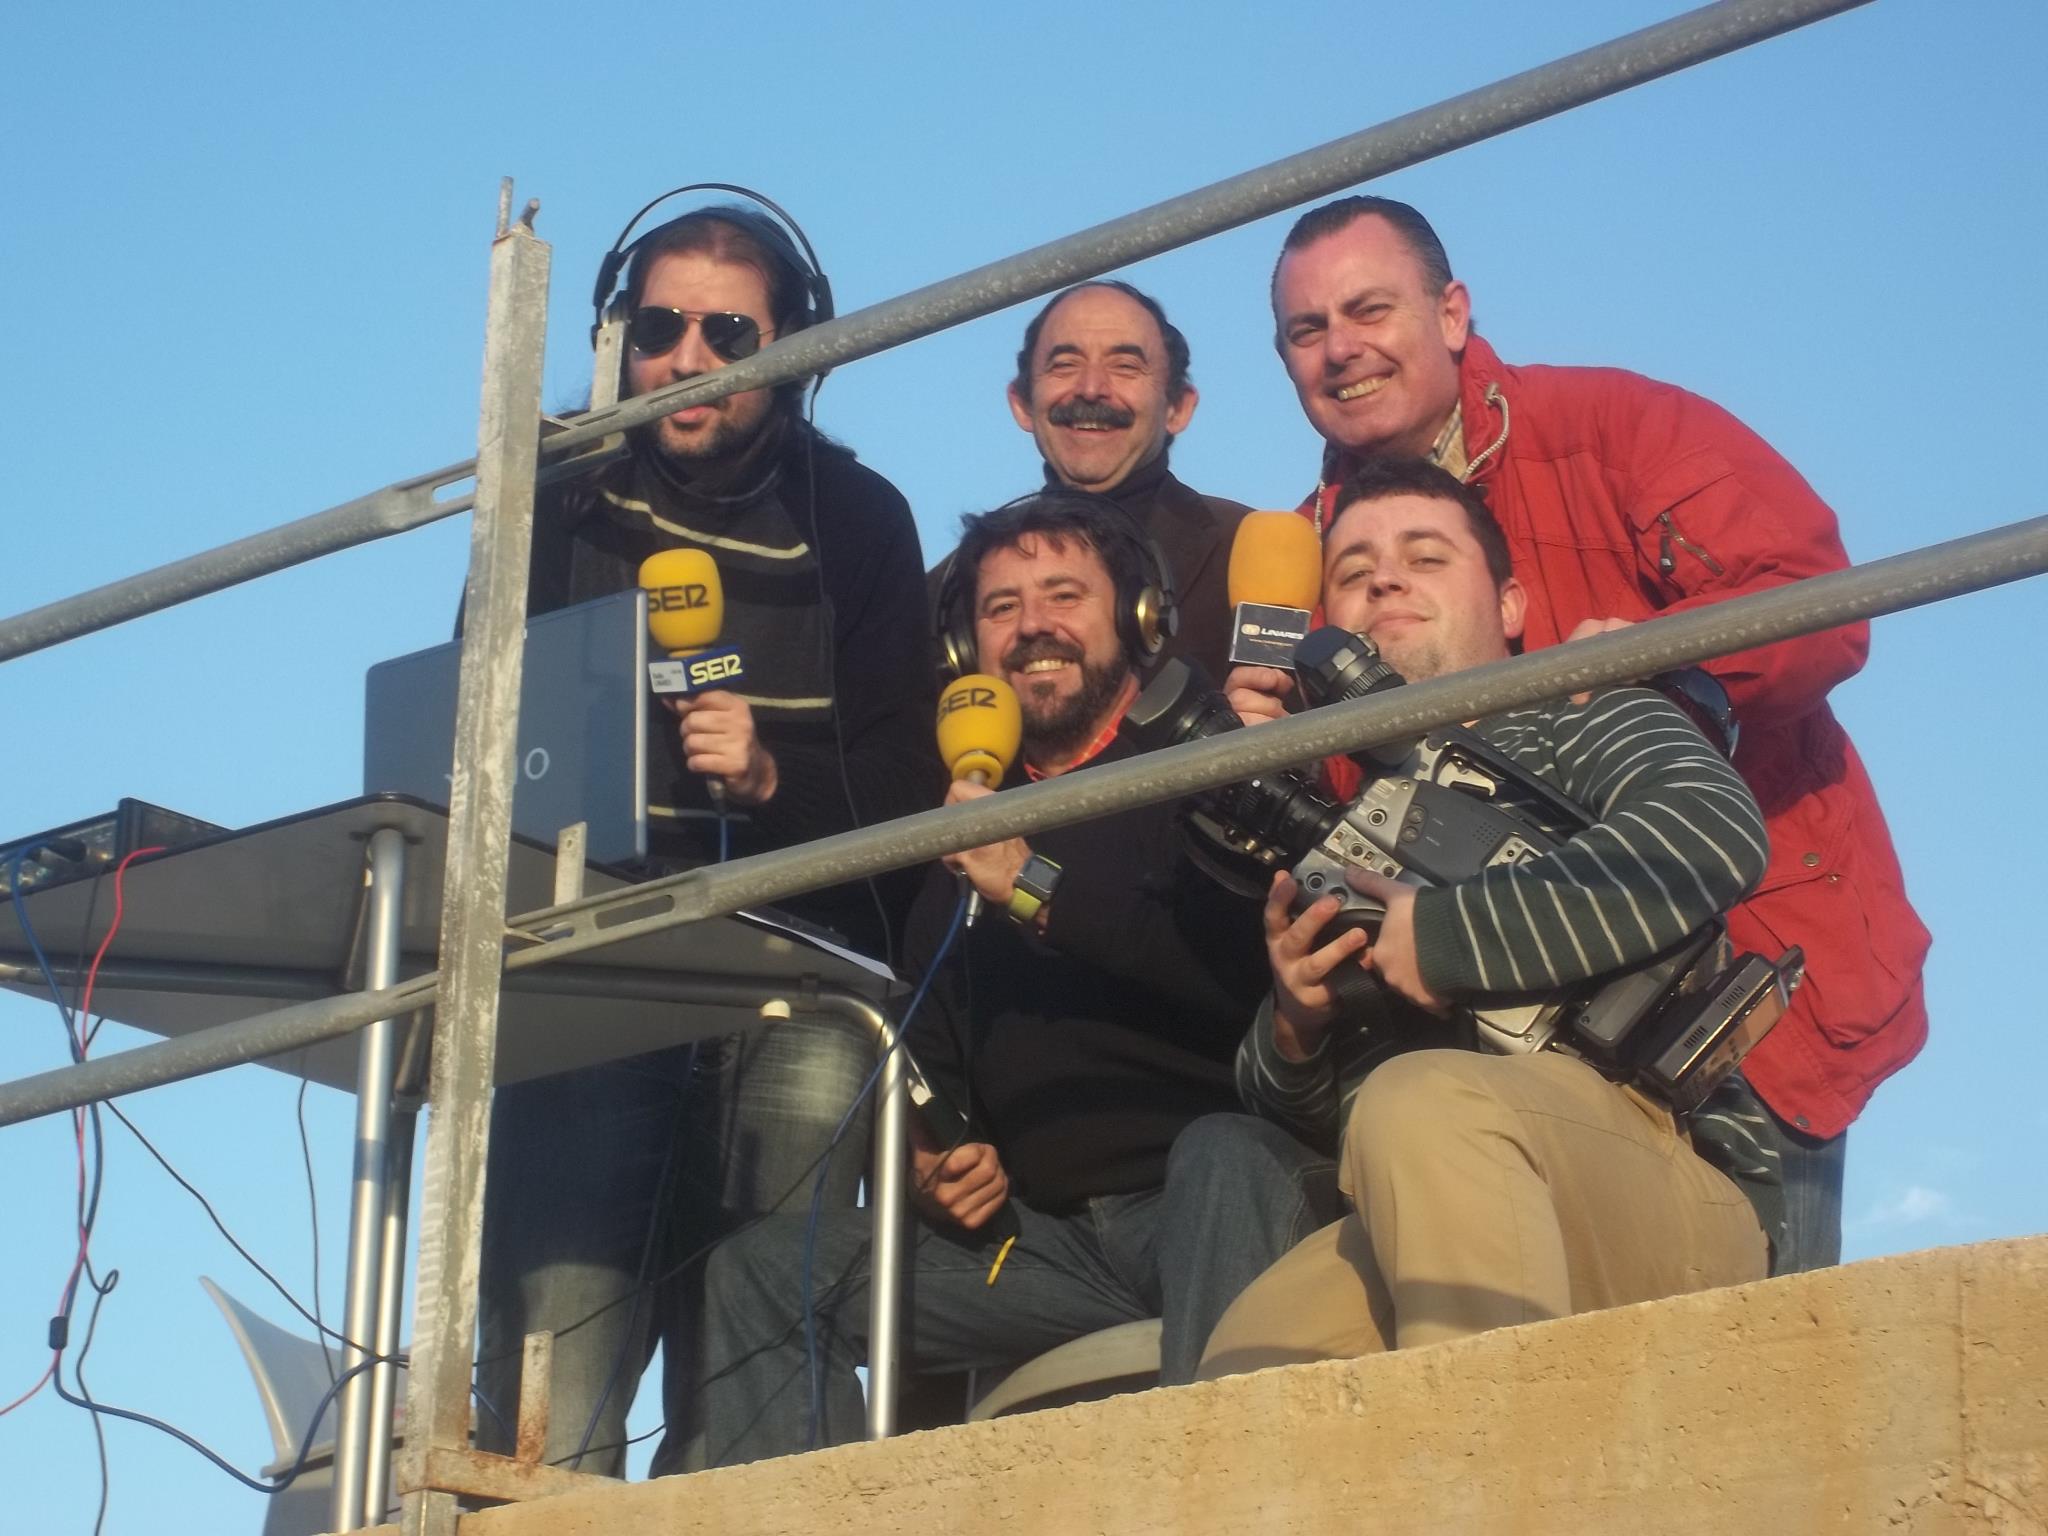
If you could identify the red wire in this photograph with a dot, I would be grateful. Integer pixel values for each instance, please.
(84, 1016)
(92, 973)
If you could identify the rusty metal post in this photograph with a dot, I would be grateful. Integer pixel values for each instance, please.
(536, 1376)
(473, 908)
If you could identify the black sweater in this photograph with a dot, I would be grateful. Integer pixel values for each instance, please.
(1088, 1050)
(866, 648)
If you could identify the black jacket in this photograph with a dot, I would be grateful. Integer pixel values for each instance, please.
(799, 521)
(1193, 533)
(1081, 1055)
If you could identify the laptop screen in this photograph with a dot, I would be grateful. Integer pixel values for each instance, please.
(582, 726)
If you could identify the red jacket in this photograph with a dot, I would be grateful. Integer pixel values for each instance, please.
(1622, 497)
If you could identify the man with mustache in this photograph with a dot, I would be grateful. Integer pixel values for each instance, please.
(1102, 385)
(1621, 498)
(1092, 1017)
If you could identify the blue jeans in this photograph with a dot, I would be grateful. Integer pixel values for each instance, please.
(1812, 1235)
(1239, 1193)
(604, 1183)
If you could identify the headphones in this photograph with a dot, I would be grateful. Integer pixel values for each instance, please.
(1145, 619)
(817, 289)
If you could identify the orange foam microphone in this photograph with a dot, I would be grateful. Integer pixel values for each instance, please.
(1276, 578)
(980, 730)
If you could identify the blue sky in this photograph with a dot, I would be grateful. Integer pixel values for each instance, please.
(244, 257)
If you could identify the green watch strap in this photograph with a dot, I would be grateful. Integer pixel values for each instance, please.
(1033, 887)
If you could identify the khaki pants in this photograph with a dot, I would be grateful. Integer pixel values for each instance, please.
(1491, 1191)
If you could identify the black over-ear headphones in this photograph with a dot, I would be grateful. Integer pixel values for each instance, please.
(1145, 619)
(772, 236)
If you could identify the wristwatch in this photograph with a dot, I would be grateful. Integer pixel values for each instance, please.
(1033, 888)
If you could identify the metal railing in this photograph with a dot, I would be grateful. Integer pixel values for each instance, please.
(513, 455)
(1693, 38)
(1891, 585)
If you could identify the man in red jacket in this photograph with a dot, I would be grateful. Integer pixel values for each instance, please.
(1623, 498)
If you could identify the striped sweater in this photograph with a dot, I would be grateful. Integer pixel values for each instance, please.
(1677, 838)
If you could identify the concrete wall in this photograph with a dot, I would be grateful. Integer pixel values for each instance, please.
(1905, 1395)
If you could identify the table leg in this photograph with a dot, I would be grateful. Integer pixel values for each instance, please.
(368, 1195)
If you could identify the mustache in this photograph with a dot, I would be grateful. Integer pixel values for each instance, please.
(1039, 648)
(1089, 413)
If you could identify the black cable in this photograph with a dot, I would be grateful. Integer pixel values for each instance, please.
(291, 1475)
(828, 658)
(313, 1209)
(615, 1445)
(78, 969)
(101, 1290)
(487, 1405)
(220, 1226)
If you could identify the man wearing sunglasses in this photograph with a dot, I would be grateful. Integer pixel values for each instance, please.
(602, 1183)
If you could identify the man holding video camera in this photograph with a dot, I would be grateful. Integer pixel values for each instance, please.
(1491, 1189)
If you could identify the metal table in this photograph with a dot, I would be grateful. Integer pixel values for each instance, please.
(348, 897)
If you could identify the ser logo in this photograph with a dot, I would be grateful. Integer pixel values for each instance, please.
(692, 594)
(715, 669)
(967, 698)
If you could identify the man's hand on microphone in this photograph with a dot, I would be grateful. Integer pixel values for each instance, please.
(992, 868)
(1258, 693)
(719, 742)
(964, 1184)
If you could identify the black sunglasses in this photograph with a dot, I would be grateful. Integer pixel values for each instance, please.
(654, 330)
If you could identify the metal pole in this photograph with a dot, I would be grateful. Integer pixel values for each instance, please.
(1641, 650)
(891, 1243)
(390, 1311)
(1595, 73)
(1822, 602)
(479, 837)
(353, 1428)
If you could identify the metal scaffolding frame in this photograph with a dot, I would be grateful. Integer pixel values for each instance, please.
(513, 455)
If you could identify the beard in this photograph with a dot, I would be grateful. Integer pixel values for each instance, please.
(1056, 727)
(720, 440)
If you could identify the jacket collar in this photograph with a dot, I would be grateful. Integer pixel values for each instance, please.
(1139, 483)
(1483, 401)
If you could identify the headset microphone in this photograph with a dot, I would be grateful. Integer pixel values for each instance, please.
(1276, 576)
(980, 729)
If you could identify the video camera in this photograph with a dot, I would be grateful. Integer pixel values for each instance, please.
(1440, 811)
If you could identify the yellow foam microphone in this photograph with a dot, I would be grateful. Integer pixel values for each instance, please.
(1276, 578)
(980, 730)
(685, 609)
